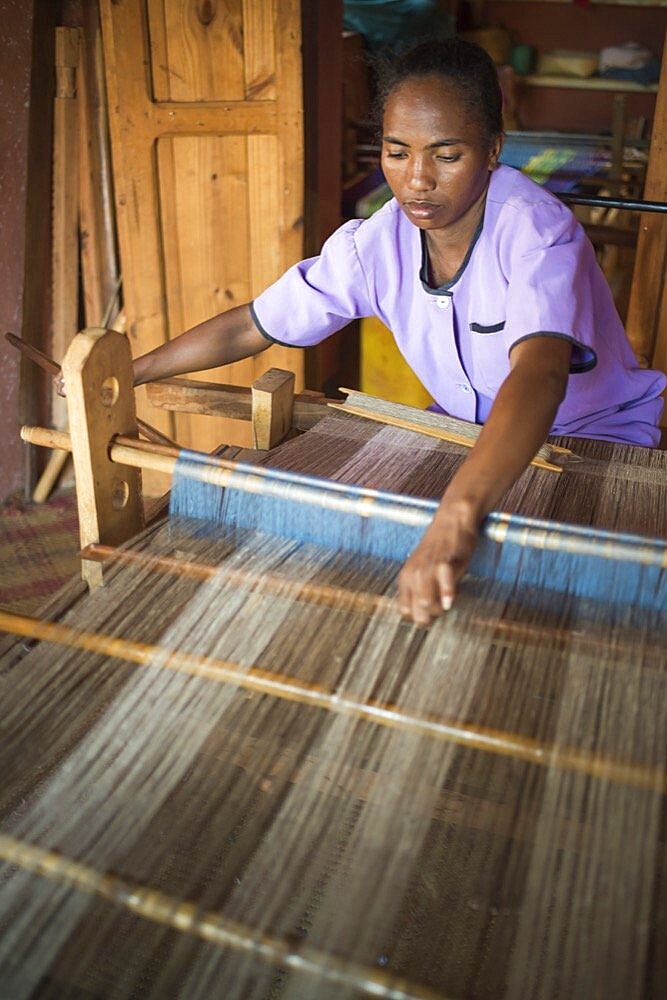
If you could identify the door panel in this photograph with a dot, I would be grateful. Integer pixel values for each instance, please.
(207, 142)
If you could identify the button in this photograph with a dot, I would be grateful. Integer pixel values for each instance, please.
(463, 386)
(442, 301)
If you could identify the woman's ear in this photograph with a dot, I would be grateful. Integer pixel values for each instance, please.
(494, 152)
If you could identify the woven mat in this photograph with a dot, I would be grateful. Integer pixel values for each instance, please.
(39, 545)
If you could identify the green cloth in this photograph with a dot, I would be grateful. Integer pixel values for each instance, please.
(396, 24)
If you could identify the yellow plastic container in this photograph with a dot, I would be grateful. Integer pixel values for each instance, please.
(383, 370)
(564, 63)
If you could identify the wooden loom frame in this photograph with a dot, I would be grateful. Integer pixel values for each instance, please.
(103, 440)
(107, 459)
(101, 409)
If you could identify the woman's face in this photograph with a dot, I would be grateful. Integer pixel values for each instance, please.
(435, 159)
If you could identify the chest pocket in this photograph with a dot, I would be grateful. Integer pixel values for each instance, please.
(494, 328)
(488, 350)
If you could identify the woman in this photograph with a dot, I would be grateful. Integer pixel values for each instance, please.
(490, 287)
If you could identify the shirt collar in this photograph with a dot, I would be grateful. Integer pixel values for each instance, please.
(423, 270)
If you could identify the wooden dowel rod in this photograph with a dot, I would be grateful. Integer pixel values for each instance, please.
(49, 477)
(311, 593)
(153, 434)
(53, 368)
(527, 532)
(436, 432)
(188, 918)
(292, 689)
(46, 363)
(427, 418)
(360, 601)
(47, 437)
(163, 448)
(220, 472)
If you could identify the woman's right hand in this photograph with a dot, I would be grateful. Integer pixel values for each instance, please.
(59, 384)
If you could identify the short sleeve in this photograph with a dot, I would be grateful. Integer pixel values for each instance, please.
(553, 283)
(316, 297)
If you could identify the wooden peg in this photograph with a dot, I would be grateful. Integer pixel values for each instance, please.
(272, 404)
(100, 402)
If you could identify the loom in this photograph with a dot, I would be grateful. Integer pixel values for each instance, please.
(232, 770)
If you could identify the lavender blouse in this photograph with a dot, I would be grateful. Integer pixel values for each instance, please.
(530, 271)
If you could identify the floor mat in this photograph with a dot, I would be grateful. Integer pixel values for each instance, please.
(39, 546)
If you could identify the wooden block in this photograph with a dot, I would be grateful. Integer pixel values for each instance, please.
(100, 400)
(67, 47)
(184, 395)
(272, 402)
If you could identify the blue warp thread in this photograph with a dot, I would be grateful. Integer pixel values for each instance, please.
(552, 562)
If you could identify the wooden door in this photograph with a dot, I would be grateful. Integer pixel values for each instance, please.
(205, 104)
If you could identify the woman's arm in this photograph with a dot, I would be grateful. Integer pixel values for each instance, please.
(519, 422)
(230, 336)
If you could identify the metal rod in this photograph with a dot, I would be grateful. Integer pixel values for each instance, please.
(629, 204)
(292, 689)
(209, 926)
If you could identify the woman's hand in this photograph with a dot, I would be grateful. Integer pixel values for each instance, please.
(518, 424)
(427, 582)
(59, 384)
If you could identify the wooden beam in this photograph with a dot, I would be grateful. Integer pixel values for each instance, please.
(289, 688)
(31, 257)
(647, 320)
(100, 402)
(65, 203)
(99, 267)
(215, 118)
(183, 395)
(272, 404)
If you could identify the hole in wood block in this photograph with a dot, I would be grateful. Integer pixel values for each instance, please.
(120, 494)
(109, 391)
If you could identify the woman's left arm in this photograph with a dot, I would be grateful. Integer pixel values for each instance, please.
(517, 426)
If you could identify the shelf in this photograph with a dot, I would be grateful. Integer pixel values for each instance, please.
(586, 83)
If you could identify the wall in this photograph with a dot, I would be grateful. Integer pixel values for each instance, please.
(26, 89)
(571, 26)
(15, 49)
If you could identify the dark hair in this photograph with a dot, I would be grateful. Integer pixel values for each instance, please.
(464, 64)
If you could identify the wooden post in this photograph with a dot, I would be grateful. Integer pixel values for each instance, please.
(99, 267)
(65, 203)
(100, 401)
(65, 246)
(647, 312)
(617, 143)
(272, 404)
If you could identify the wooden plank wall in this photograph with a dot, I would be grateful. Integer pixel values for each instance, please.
(206, 123)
